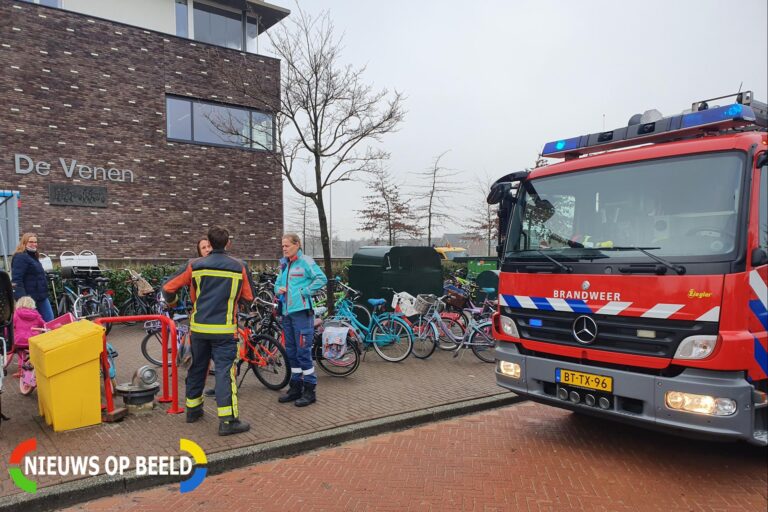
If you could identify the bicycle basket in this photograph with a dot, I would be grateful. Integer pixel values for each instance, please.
(457, 297)
(142, 285)
(423, 303)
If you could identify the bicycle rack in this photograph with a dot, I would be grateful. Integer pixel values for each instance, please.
(168, 333)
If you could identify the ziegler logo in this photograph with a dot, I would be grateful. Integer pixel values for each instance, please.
(113, 465)
(693, 294)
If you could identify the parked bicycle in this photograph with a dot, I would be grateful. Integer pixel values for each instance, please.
(152, 344)
(265, 284)
(142, 298)
(477, 336)
(86, 298)
(388, 334)
(262, 354)
(336, 347)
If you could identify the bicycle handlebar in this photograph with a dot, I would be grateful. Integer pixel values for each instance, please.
(264, 303)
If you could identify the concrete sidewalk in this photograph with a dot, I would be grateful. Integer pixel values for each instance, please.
(379, 397)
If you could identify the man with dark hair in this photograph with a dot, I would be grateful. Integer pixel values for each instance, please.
(216, 283)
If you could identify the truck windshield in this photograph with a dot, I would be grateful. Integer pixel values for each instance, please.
(685, 207)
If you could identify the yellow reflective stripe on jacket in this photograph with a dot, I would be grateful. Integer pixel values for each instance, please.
(229, 274)
(213, 328)
(231, 300)
(194, 305)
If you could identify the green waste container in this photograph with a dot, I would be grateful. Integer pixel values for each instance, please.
(403, 268)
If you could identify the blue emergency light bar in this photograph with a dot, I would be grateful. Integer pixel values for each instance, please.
(666, 128)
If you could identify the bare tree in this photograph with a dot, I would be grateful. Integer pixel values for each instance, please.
(328, 116)
(483, 222)
(436, 188)
(386, 214)
(301, 217)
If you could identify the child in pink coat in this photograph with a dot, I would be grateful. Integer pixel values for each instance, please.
(25, 320)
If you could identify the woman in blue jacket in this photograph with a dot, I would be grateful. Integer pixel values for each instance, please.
(28, 276)
(299, 278)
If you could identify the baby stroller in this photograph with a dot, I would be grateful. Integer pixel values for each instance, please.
(6, 329)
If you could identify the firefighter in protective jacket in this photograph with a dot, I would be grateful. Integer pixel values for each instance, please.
(216, 283)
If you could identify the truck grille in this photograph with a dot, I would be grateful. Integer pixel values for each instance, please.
(615, 333)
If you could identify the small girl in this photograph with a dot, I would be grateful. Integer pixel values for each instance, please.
(27, 322)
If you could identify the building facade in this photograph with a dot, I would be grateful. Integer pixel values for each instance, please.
(124, 133)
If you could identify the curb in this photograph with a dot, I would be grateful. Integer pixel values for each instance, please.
(72, 493)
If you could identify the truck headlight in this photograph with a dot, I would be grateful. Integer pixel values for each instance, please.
(700, 404)
(510, 369)
(508, 326)
(699, 346)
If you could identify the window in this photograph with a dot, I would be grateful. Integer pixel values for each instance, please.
(220, 125)
(251, 36)
(261, 131)
(182, 18)
(179, 119)
(215, 124)
(763, 229)
(683, 206)
(219, 27)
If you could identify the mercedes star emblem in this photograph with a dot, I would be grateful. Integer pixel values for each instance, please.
(584, 330)
(585, 285)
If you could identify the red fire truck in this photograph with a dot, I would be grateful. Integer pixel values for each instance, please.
(633, 280)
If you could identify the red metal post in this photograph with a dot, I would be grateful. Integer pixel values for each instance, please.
(168, 329)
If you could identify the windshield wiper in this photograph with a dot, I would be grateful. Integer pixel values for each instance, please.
(679, 269)
(564, 268)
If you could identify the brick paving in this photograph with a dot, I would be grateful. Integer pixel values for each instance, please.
(378, 389)
(522, 457)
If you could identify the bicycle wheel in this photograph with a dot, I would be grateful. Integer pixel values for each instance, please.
(424, 338)
(446, 341)
(482, 343)
(392, 339)
(131, 307)
(107, 309)
(362, 314)
(152, 348)
(266, 296)
(342, 366)
(269, 361)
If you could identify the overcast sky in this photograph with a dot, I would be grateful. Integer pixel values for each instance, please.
(491, 81)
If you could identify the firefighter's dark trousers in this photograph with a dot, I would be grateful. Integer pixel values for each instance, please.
(222, 351)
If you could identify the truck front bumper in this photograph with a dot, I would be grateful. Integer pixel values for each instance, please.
(640, 398)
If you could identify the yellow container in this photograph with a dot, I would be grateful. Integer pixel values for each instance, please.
(66, 364)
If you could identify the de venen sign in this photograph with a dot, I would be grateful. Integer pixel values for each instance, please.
(72, 169)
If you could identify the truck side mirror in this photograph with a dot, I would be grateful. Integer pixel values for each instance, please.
(759, 257)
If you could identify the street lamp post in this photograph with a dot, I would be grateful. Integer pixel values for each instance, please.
(330, 227)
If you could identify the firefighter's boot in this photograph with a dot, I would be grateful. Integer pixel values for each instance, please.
(230, 427)
(194, 413)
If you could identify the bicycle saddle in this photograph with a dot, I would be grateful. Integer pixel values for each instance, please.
(376, 302)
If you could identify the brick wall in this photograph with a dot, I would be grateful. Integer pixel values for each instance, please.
(81, 88)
